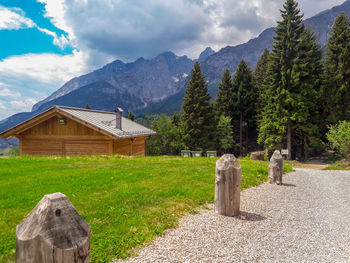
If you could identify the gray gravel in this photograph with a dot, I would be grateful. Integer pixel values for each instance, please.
(305, 220)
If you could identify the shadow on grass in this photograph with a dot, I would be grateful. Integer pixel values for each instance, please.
(245, 216)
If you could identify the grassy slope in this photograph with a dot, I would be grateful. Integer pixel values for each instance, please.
(336, 162)
(338, 166)
(126, 200)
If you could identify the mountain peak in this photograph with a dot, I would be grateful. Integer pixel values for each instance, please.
(167, 55)
(139, 60)
(113, 65)
(205, 54)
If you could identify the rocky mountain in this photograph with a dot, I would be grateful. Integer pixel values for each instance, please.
(148, 80)
(205, 54)
(229, 57)
(157, 85)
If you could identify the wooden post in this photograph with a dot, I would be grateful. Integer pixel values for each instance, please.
(227, 185)
(276, 168)
(53, 232)
(258, 156)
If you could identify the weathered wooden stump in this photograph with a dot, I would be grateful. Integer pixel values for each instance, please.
(227, 185)
(276, 168)
(53, 232)
(257, 156)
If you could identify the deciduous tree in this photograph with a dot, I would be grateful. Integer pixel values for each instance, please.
(131, 116)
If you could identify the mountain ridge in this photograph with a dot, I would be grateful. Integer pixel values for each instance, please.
(229, 56)
(153, 85)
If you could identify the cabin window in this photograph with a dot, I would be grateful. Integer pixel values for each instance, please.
(62, 121)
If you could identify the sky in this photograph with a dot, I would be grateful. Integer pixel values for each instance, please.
(45, 43)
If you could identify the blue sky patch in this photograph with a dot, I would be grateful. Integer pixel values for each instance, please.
(30, 40)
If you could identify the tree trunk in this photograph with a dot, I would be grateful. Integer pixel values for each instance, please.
(53, 232)
(246, 139)
(240, 134)
(289, 140)
(227, 185)
(306, 150)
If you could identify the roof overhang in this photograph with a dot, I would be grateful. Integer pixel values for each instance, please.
(41, 117)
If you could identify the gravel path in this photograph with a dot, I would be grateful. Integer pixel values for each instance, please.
(305, 220)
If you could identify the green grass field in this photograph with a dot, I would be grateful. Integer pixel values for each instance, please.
(127, 201)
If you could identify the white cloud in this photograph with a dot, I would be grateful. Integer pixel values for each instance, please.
(13, 18)
(56, 10)
(126, 30)
(28, 78)
(8, 93)
(2, 106)
(60, 41)
(45, 68)
(23, 105)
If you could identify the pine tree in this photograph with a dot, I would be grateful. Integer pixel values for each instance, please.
(306, 84)
(224, 104)
(278, 115)
(259, 80)
(225, 96)
(131, 116)
(197, 114)
(336, 88)
(225, 133)
(245, 101)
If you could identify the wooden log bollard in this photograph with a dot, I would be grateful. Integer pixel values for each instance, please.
(276, 168)
(53, 232)
(227, 185)
(257, 156)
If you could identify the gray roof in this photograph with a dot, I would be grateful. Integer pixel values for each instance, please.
(106, 121)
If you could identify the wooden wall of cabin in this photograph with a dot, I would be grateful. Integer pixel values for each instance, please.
(128, 147)
(52, 126)
(52, 138)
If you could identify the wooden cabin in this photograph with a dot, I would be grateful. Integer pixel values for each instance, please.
(74, 131)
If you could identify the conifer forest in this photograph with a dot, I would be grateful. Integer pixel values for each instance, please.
(296, 93)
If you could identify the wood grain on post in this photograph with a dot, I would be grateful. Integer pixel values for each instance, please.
(276, 168)
(227, 185)
(53, 232)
